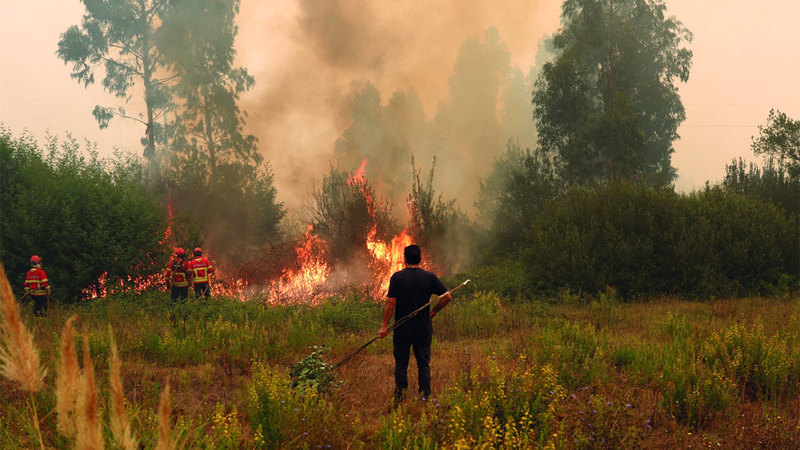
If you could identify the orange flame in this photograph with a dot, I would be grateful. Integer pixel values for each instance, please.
(307, 281)
(358, 176)
(388, 258)
(303, 284)
(168, 231)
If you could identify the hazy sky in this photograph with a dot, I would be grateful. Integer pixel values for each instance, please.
(309, 57)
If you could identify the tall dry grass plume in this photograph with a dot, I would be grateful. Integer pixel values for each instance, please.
(163, 421)
(90, 428)
(120, 426)
(19, 359)
(67, 382)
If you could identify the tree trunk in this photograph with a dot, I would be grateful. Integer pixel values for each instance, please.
(150, 149)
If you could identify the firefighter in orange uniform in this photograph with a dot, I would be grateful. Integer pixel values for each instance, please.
(37, 286)
(176, 276)
(199, 270)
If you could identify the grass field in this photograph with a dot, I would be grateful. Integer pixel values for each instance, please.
(558, 373)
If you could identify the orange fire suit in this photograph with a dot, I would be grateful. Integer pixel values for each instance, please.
(38, 287)
(177, 278)
(199, 270)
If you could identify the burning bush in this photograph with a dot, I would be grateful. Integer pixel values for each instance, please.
(344, 211)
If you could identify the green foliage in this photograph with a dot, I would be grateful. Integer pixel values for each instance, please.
(508, 278)
(481, 315)
(122, 36)
(281, 415)
(314, 371)
(652, 372)
(345, 316)
(436, 225)
(607, 107)
(769, 183)
(522, 182)
(207, 132)
(780, 139)
(400, 430)
(83, 215)
(575, 351)
(226, 431)
(180, 55)
(245, 205)
(482, 409)
(692, 393)
(760, 365)
(652, 241)
(736, 245)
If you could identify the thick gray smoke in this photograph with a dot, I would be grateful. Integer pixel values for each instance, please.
(340, 81)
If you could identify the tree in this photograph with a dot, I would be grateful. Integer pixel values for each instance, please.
(608, 106)
(122, 36)
(520, 185)
(385, 136)
(780, 139)
(430, 215)
(769, 183)
(437, 225)
(207, 133)
(181, 53)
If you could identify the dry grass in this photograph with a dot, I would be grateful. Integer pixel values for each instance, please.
(67, 382)
(19, 359)
(90, 427)
(164, 441)
(120, 426)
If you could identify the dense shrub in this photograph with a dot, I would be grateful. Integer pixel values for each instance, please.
(521, 183)
(770, 183)
(83, 215)
(646, 241)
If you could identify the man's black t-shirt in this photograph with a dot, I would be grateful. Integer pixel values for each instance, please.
(413, 287)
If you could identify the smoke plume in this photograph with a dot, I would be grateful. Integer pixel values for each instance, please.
(338, 81)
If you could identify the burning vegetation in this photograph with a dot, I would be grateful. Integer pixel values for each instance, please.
(350, 242)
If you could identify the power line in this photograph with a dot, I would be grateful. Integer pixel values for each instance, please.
(718, 126)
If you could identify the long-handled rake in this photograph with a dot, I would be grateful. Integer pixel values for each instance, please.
(395, 325)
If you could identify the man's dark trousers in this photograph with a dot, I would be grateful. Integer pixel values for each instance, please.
(181, 293)
(422, 353)
(202, 290)
(39, 305)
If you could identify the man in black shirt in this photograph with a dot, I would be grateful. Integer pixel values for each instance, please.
(410, 289)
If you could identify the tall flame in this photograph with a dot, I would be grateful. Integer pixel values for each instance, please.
(303, 283)
(168, 231)
(388, 258)
(358, 176)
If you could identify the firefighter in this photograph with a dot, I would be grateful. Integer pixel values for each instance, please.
(199, 270)
(37, 286)
(176, 276)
